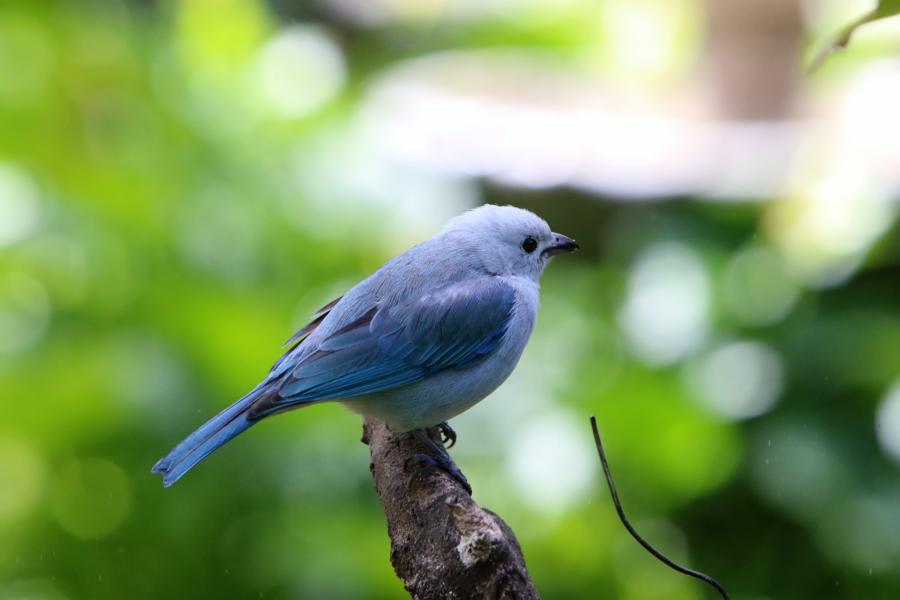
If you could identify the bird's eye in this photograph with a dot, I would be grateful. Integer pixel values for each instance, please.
(529, 245)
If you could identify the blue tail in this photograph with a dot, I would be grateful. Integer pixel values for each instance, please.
(209, 437)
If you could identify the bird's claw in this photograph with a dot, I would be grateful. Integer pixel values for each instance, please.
(447, 435)
(448, 466)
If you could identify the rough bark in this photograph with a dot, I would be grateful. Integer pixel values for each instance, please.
(443, 545)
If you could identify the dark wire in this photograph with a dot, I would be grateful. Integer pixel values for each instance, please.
(659, 555)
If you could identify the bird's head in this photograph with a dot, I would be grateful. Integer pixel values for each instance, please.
(509, 240)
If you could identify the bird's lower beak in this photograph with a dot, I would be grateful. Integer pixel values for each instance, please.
(561, 245)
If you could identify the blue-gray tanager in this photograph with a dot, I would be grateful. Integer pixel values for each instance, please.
(428, 335)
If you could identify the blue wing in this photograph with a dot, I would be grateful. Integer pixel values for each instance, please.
(391, 346)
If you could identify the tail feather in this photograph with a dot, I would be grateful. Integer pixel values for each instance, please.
(209, 437)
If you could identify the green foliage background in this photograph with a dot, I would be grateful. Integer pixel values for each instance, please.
(172, 245)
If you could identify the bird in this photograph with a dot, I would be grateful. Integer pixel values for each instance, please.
(428, 335)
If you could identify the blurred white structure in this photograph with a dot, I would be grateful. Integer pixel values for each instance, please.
(520, 119)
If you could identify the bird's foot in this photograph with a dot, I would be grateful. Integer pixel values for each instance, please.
(440, 458)
(448, 436)
(447, 465)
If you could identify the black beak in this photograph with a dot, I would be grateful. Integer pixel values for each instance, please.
(561, 245)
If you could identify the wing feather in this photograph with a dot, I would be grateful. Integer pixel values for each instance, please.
(388, 347)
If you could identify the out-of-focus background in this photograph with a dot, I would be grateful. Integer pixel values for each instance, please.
(183, 183)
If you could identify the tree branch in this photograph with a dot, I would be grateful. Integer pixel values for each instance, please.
(443, 545)
(640, 539)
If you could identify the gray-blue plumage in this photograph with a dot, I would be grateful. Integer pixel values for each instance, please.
(428, 335)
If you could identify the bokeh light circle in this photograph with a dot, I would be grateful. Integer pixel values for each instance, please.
(665, 315)
(299, 70)
(887, 423)
(21, 478)
(24, 311)
(738, 380)
(18, 205)
(91, 497)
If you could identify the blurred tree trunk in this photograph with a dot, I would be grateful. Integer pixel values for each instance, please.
(753, 52)
(443, 545)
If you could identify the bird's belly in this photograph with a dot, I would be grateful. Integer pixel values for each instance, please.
(448, 393)
(436, 399)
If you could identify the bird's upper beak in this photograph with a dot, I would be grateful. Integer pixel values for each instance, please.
(561, 245)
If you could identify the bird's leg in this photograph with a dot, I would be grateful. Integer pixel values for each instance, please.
(440, 458)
